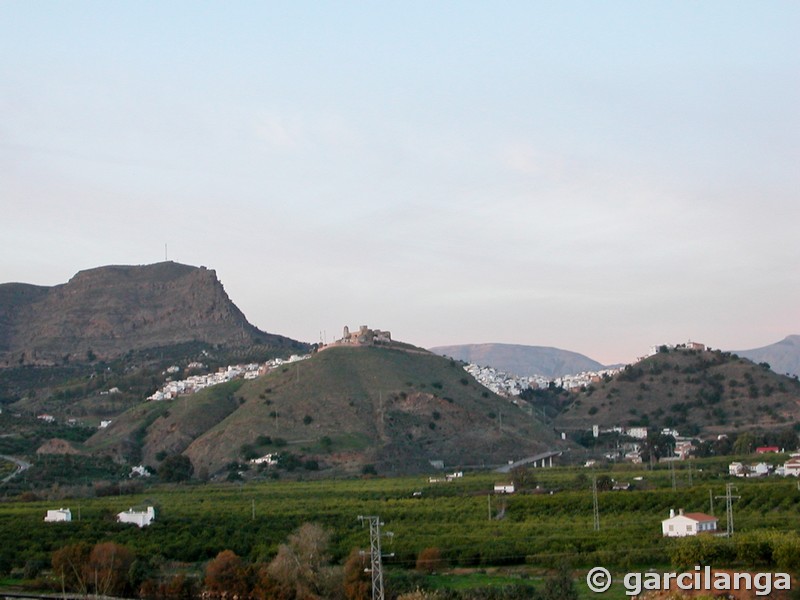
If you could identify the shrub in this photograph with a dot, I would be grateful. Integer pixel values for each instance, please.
(430, 560)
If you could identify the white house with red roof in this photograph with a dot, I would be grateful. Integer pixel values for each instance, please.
(684, 524)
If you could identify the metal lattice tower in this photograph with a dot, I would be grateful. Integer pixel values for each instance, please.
(729, 498)
(376, 558)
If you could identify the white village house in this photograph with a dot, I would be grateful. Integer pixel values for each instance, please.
(684, 524)
(141, 519)
(61, 514)
(792, 466)
(504, 488)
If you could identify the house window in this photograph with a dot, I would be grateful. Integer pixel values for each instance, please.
(672, 527)
(690, 528)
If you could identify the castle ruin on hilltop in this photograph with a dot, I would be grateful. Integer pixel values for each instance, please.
(364, 337)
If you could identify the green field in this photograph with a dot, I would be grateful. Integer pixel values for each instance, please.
(539, 530)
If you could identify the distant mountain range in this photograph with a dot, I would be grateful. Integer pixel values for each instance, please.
(525, 361)
(108, 311)
(522, 360)
(394, 408)
(783, 357)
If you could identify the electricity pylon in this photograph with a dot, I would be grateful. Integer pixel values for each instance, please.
(375, 555)
(729, 506)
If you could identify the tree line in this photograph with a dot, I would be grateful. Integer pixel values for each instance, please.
(301, 569)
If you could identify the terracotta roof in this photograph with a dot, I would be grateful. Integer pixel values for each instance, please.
(700, 517)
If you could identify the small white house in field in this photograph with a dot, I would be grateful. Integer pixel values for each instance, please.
(684, 524)
(504, 488)
(141, 519)
(62, 514)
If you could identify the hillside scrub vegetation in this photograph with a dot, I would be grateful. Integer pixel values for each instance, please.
(693, 391)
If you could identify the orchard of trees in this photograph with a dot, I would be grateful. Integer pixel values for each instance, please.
(252, 540)
(301, 570)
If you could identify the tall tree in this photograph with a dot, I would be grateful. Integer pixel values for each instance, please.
(108, 567)
(69, 565)
(357, 582)
(176, 468)
(226, 574)
(300, 562)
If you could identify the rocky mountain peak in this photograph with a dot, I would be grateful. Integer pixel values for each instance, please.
(108, 311)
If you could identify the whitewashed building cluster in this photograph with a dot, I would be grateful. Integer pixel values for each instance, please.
(507, 384)
(790, 468)
(195, 383)
(138, 518)
(499, 382)
(270, 460)
(447, 478)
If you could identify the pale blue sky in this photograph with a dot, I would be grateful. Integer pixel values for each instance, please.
(596, 176)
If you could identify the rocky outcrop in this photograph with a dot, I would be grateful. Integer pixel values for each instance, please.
(109, 311)
(57, 446)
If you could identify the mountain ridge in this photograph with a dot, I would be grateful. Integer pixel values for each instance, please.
(783, 357)
(520, 359)
(105, 312)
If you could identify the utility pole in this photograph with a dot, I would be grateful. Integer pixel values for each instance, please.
(489, 502)
(376, 558)
(595, 505)
(729, 498)
(711, 502)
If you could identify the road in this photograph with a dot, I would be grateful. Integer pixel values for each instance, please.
(21, 466)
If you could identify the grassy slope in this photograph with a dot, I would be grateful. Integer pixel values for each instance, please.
(409, 405)
(709, 391)
(168, 426)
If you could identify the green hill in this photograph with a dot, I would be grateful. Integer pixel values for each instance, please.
(396, 408)
(693, 391)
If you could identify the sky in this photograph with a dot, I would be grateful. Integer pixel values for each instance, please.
(595, 176)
